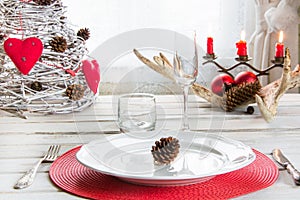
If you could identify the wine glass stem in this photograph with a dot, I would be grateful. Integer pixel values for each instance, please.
(185, 125)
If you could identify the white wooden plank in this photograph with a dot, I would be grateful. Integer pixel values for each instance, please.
(161, 113)
(42, 182)
(28, 151)
(21, 165)
(46, 139)
(39, 195)
(197, 122)
(23, 141)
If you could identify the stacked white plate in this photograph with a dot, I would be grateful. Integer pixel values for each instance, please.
(202, 156)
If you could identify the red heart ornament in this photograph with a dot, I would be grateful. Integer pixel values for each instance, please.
(91, 72)
(24, 53)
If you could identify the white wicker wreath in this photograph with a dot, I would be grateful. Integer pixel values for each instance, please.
(54, 72)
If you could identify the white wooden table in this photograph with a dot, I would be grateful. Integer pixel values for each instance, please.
(22, 142)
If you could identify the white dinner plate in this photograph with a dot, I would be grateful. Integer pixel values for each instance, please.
(201, 157)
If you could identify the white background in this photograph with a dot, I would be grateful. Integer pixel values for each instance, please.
(223, 20)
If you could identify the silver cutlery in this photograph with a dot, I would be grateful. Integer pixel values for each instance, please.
(283, 161)
(27, 179)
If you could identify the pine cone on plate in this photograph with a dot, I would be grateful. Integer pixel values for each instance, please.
(75, 92)
(240, 94)
(58, 44)
(165, 150)
(44, 2)
(84, 33)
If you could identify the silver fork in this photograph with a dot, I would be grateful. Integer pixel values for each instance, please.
(27, 179)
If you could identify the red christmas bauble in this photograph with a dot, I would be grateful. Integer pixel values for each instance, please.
(246, 76)
(220, 83)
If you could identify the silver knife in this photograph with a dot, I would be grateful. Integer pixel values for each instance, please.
(283, 161)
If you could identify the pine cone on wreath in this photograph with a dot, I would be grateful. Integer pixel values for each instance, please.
(2, 36)
(84, 33)
(75, 92)
(58, 44)
(44, 2)
(37, 86)
(165, 150)
(240, 94)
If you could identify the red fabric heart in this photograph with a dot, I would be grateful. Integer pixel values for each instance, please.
(24, 53)
(91, 72)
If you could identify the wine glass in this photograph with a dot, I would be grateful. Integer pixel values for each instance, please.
(185, 73)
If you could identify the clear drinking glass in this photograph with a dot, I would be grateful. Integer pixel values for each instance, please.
(136, 112)
(185, 73)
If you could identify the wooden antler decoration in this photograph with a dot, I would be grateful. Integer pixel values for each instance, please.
(267, 97)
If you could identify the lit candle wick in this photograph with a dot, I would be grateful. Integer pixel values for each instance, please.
(280, 37)
(243, 35)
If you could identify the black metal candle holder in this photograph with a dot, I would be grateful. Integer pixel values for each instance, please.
(210, 56)
(243, 60)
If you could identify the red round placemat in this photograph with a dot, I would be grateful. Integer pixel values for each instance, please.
(67, 173)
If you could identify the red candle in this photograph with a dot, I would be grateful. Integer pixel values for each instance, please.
(210, 46)
(242, 46)
(279, 53)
